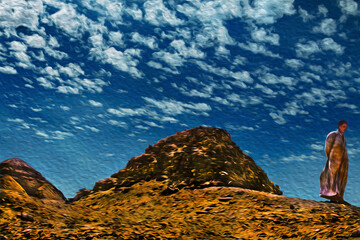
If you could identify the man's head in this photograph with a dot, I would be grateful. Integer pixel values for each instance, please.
(342, 126)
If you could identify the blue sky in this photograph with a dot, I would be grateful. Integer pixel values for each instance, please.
(86, 85)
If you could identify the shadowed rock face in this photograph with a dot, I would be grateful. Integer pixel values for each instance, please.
(16, 174)
(198, 157)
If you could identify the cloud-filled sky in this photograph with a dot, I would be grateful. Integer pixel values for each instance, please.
(86, 85)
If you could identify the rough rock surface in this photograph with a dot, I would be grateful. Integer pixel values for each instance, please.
(16, 174)
(197, 157)
(143, 212)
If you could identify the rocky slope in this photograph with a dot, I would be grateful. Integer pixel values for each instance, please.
(198, 157)
(143, 212)
(16, 174)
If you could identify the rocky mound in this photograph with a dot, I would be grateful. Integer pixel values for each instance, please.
(198, 157)
(17, 175)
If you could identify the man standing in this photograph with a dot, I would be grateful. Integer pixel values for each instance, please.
(333, 178)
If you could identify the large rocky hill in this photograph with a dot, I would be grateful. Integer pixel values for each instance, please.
(198, 157)
(196, 184)
(16, 174)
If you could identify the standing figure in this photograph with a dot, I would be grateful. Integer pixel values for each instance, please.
(333, 177)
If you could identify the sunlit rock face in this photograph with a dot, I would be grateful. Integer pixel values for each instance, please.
(16, 174)
(198, 157)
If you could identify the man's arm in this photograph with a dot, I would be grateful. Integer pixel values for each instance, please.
(329, 142)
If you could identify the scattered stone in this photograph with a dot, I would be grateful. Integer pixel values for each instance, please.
(225, 199)
(25, 217)
(169, 190)
(355, 233)
(202, 212)
(163, 224)
(26, 230)
(162, 178)
(292, 206)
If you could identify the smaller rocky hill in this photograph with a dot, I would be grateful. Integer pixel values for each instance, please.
(198, 157)
(16, 175)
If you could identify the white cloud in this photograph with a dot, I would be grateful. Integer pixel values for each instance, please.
(150, 42)
(35, 41)
(8, 70)
(135, 12)
(294, 63)
(97, 40)
(330, 44)
(67, 90)
(157, 14)
(124, 112)
(53, 42)
(45, 83)
(142, 127)
(56, 54)
(155, 65)
(36, 109)
(349, 7)
(16, 13)
(57, 135)
(206, 93)
(323, 10)
(72, 70)
(327, 27)
(116, 38)
(61, 135)
(221, 50)
(70, 21)
(38, 119)
(278, 118)
(347, 105)
(152, 124)
(117, 123)
(122, 61)
(173, 107)
(264, 35)
(42, 134)
(187, 52)
(241, 78)
(317, 147)
(265, 90)
(268, 11)
(300, 158)
(320, 97)
(305, 15)
(269, 78)
(18, 46)
(21, 122)
(244, 100)
(51, 72)
(307, 49)
(173, 59)
(258, 49)
(93, 85)
(309, 77)
(95, 104)
(93, 129)
(65, 108)
(24, 58)
(109, 154)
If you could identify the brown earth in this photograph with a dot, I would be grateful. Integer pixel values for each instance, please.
(145, 211)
